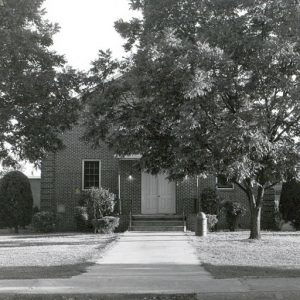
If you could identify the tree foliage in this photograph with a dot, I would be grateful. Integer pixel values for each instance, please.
(210, 201)
(16, 202)
(37, 91)
(209, 86)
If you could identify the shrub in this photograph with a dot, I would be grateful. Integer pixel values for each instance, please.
(210, 201)
(16, 200)
(233, 210)
(106, 224)
(81, 218)
(212, 221)
(96, 205)
(44, 221)
(289, 206)
(99, 202)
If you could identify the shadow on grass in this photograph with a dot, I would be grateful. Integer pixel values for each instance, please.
(48, 235)
(231, 271)
(38, 272)
(101, 297)
(11, 244)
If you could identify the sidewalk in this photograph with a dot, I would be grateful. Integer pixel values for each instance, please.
(155, 263)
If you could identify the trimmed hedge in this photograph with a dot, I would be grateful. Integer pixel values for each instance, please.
(289, 205)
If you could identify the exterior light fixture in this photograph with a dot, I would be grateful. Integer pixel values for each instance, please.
(130, 177)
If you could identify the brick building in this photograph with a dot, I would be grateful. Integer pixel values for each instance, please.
(77, 167)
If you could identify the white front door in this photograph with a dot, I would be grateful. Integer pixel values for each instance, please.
(158, 194)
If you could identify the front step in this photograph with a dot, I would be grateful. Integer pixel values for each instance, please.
(157, 223)
(156, 217)
(157, 228)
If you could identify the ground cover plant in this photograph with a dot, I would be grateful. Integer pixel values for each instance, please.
(49, 255)
(231, 254)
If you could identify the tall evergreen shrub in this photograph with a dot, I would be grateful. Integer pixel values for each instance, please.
(16, 202)
(289, 206)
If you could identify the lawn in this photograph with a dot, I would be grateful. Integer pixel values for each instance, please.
(49, 255)
(232, 254)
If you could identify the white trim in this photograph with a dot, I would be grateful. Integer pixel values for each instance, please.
(119, 193)
(129, 157)
(82, 171)
(224, 188)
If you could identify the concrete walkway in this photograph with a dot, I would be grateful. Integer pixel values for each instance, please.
(159, 263)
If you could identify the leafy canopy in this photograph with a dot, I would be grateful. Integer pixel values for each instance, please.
(37, 92)
(207, 86)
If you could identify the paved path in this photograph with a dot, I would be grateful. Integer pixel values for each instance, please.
(155, 262)
(150, 262)
(148, 248)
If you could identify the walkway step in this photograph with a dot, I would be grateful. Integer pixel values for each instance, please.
(157, 217)
(157, 223)
(157, 228)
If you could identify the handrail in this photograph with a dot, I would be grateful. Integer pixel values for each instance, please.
(130, 215)
(184, 220)
(130, 220)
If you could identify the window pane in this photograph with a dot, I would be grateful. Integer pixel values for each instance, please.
(222, 182)
(91, 174)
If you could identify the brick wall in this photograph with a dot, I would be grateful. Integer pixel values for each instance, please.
(62, 176)
(130, 186)
(61, 183)
(188, 194)
(187, 190)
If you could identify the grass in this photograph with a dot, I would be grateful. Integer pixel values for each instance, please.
(233, 255)
(49, 255)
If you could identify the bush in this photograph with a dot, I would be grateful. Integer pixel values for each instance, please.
(99, 202)
(233, 211)
(95, 210)
(81, 218)
(106, 224)
(289, 206)
(44, 221)
(210, 201)
(212, 221)
(16, 200)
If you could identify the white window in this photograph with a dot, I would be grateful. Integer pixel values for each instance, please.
(91, 173)
(223, 183)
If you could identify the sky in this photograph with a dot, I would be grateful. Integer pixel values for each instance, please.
(85, 27)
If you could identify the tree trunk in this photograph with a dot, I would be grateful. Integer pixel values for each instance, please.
(256, 202)
(255, 223)
(16, 229)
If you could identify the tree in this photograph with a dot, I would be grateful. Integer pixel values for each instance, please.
(15, 200)
(37, 92)
(208, 87)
